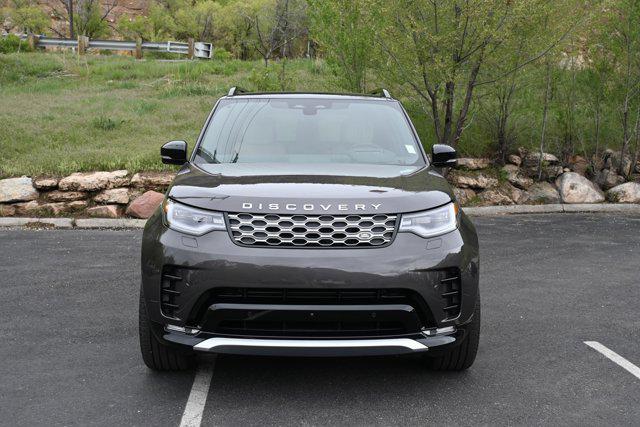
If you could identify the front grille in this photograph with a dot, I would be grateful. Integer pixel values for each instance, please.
(287, 325)
(312, 230)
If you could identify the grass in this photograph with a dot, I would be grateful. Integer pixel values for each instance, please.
(60, 113)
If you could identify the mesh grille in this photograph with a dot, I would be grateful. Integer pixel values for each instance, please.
(312, 230)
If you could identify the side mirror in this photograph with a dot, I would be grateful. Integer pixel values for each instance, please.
(174, 153)
(443, 156)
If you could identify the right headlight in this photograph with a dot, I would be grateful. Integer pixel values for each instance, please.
(431, 223)
(189, 220)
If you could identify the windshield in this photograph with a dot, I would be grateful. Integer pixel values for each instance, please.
(313, 130)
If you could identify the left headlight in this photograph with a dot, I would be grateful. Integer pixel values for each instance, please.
(190, 220)
(431, 223)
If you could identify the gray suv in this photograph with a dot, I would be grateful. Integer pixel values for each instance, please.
(309, 225)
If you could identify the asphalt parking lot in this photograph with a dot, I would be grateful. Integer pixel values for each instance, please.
(69, 349)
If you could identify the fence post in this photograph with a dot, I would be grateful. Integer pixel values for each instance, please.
(138, 48)
(83, 44)
(192, 48)
(32, 41)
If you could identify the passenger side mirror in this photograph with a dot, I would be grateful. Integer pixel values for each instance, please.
(174, 153)
(443, 156)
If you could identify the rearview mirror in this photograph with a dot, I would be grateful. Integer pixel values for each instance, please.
(174, 153)
(443, 156)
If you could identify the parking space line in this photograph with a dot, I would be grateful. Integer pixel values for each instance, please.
(192, 415)
(615, 357)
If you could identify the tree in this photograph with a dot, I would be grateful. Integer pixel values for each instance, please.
(440, 48)
(343, 29)
(27, 16)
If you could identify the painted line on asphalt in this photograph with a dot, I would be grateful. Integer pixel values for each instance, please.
(192, 415)
(614, 357)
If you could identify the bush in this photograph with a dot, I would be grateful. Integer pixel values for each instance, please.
(13, 43)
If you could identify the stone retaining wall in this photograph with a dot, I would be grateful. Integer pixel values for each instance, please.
(477, 182)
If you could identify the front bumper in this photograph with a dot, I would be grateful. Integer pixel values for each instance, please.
(211, 262)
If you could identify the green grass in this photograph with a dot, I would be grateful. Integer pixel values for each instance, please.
(60, 113)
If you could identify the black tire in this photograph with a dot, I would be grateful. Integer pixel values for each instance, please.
(156, 355)
(463, 355)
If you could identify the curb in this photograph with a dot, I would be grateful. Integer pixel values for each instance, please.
(126, 223)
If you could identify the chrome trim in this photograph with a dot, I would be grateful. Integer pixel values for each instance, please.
(447, 330)
(212, 343)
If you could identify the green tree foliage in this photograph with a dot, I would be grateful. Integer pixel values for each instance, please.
(343, 29)
(26, 16)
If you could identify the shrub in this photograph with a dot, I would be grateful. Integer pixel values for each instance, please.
(13, 43)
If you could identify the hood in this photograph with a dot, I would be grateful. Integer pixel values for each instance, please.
(310, 188)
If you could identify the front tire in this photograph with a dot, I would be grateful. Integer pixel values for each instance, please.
(462, 356)
(155, 354)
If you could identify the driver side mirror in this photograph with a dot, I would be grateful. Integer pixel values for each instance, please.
(443, 156)
(174, 153)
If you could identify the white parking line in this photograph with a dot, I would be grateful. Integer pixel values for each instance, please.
(615, 357)
(192, 415)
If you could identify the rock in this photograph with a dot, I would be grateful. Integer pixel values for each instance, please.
(531, 160)
(105, 211)
(7, 210)
(473, 164)
(543, 193)
(475, 180)
(53, 208)
(464, 195)
(153, 179)
(144, 206)
(514, 160)
(608, 178)
(628, 192)
(27, 208)
(504, 194)
(77, 205)
(94, 181)
(575, 188)
(17, 190)
(516, 177)
(45, 183)
(549, 172)
(579, 164)
(65, 196)
(114, 195)
(611, 161)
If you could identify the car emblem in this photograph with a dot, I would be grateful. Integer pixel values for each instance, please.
(365, 235)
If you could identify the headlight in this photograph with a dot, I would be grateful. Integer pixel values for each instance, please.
(192, 220)
(431, 223)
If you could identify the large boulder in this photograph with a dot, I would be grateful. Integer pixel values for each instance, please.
(628, 192)
(27, 208)
(94, 181)
(473, 164)
(152, 179)
(17, 190)
(575, 188)
(611, 161)
(464, 195)
(114, 195)
(516, 177)
(475, 180)
(579, 164)
(144, 206)
(608, 178)
(543, 193)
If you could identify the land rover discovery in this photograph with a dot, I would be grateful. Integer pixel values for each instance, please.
(309, 225)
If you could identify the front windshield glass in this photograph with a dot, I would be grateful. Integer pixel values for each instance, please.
(312, 130)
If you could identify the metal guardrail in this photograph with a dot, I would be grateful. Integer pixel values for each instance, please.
(191, 48)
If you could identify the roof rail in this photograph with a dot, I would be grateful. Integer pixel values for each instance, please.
(381, 92)
(236, 90)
